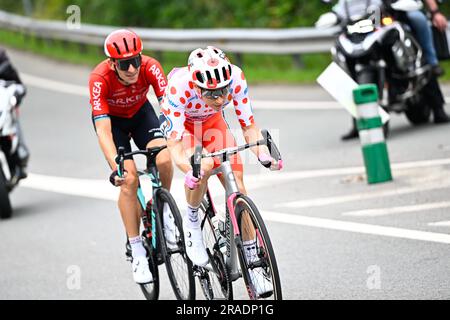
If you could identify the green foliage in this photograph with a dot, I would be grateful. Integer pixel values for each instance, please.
(181, 13)
(185, 13)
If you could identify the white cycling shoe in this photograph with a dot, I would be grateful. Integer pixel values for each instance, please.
(141, 270)
(263, 286)
(170, 231)
(195, 248)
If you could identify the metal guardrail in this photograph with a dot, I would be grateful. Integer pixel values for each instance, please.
(272, 41)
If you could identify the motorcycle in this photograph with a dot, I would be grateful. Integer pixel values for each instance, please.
(9, 143)
(379, 47)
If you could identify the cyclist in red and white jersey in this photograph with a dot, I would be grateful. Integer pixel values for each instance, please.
(120, 111)
(191, 113)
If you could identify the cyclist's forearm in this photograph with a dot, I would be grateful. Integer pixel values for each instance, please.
(108, 147)
(252, 134)
(179, 155)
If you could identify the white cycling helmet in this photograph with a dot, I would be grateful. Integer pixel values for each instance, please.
(210, 68)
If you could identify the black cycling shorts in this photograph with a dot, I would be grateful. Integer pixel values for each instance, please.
(143, 127)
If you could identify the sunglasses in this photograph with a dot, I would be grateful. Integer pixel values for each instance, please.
(216, 93)
(124, 64)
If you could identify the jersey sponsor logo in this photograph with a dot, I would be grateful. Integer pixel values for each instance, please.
(159, 76)
(96, 92)
(156, 132)
(173, 104)
(125, 102)
(191, 117)
(166, 124)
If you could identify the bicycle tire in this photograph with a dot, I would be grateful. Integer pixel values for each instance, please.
(178, 265)
(265, 250)
(220, 283)
(151, 290)
(5, 203)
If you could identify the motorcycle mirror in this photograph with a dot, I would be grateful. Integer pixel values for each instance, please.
(327, 20)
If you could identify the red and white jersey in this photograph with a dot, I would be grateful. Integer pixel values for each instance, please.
(110, 97)
(181, 102)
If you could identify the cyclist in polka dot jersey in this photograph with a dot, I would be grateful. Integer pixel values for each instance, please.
(181, 102)
(192, 114)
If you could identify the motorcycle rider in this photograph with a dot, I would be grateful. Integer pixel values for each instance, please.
(9, 73)
(418, 22)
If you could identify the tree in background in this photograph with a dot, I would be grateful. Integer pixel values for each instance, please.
(181, 13)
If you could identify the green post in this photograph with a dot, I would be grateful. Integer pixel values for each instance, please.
(370, 127)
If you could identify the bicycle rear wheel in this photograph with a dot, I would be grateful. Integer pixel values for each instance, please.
(260, 274)
(179, 267)
(216, 284)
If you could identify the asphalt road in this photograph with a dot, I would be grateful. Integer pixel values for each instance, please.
(335, 236)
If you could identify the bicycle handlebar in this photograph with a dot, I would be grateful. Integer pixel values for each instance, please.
(225, 153)
(121, 155)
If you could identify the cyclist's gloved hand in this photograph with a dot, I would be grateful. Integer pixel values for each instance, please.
(269, 162)
(192, 182)
(116, 180)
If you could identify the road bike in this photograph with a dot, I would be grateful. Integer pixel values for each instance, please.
(224, 237)
(159, 250)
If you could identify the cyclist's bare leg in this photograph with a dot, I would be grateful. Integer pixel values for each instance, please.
(194, 197)
(128, 205)
(163, 162)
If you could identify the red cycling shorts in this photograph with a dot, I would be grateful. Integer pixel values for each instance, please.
(214, 135)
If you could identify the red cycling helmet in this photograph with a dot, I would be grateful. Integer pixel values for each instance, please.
(122, 44)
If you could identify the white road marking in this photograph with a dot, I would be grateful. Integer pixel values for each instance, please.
(440, 224)
(395, 210)
(83, 91)
(96, 189)
(356, 227)
(325, 201)
(287, 176)
(54, 85)
(100, 189)
(296, 105)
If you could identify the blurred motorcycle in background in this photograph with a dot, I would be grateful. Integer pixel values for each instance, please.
(378, 46)
(9, 143)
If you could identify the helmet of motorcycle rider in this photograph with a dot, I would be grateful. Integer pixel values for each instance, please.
(210, 68)
(122, 44)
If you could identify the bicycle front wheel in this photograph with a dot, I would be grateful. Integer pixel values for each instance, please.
(216, 284)
(258, 263)
(151, 290)
(179, 267)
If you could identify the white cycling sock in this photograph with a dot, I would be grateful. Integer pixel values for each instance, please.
(192, 219)
(250, 250)
(167, 213)
(137, 247)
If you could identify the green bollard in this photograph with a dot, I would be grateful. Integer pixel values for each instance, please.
(370, 127)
